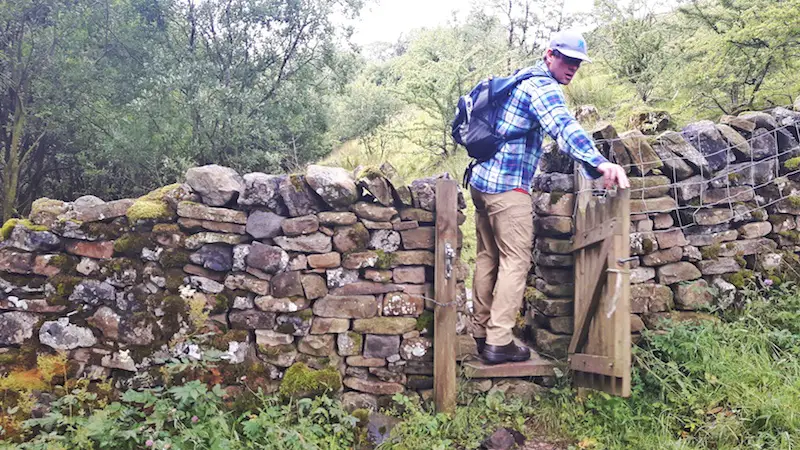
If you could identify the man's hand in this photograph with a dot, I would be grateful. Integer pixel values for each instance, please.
(613, 174)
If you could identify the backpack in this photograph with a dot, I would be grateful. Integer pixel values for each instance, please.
(477, 113)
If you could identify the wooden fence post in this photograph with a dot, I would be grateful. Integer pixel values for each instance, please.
(444, 337)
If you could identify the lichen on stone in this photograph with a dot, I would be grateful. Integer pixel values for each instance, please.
(302, 381)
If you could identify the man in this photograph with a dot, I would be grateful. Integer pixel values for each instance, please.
(500, 191)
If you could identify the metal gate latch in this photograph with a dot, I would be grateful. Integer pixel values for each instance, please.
(449, 256)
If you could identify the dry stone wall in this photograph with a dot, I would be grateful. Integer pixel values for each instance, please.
(715, 208)
(257, 273)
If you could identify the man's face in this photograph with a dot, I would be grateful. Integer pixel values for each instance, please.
(562, 67)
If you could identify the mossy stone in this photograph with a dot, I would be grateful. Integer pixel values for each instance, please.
(385, 260)
(174, 258)
(8, 227)
(131, 244)
(792, 163)
(301, 381)
(425, 322)
(220, 341)
(63, 286)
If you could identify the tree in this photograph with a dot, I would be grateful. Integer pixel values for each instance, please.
(737, 46)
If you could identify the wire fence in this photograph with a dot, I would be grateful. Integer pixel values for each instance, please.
(736, 185)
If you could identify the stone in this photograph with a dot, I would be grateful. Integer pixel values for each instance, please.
(252, 320)
(642, 274)
(550, 344)
(264, 224)
(769, 261)
(346, 307)
(553, 203)
(62, 335)
(311, 243)
(690, 188)
(378, 276)
(340, 277)
(191, 269)
(119, 360)
(199, 211)
(198, 240)
(353, 238)
(661, 257)
(45, 211)
(295, 323)
(297, 226)
(402, 304)
(297, 195)
(412, 275)
(381, 346)
(710, 238)
(390, 376)
(422, 238)
(670, 238)
(387, 241)
(653, 205)
(222, 227)
(552, 226)
(325, 325)
(96, 250)
(360, 260)
(764, 144)
(683, 151)
(216, 185)
(349, 343)
(206, 284)
(317, 345)
(287, 284)
(374, 212)
(28, 240)
(677, 272)
(553, 306)
(705, 137)
(314, 286)
(377, 185)
(217, 257)
(738, 123)
(360, 361)
(725, 196)
(352, 401)
(325, 260)
(243, 302)
(417, 349)
(718, 266)
(271, 338)
(417, 215)
(643, 158)
(544, 259)
(754, 230)
(93, 293)
(641, 243)
(280, 355)
(247, 283)
(693, 295)
(89, 212)
(518, 389)
(281, 305)
(384, 325)
(649, 187)
(551, 245)
(16, 327)
(411, 258)
(552, 275)
(692, 253)
(365, 288)
(651, 298)
(737, 142)
(371, 386)
(261, 189)
(706, 217)
(332, 218)
(334, 185)
(47, 265)
(642, 225)
(267, 258)
(663, 221)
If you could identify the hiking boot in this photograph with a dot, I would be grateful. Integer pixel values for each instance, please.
(498, 354)
(481, 344)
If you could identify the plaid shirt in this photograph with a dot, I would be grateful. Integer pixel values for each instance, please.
(536, 104)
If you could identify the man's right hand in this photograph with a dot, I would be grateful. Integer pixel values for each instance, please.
(613, 174)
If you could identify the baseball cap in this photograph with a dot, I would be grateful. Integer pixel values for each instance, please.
(570, 43)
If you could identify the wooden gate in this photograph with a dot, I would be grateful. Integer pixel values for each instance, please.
(600, 350)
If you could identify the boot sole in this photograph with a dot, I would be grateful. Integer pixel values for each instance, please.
(503, 359)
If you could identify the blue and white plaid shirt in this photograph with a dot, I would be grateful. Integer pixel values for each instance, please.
(536, 104)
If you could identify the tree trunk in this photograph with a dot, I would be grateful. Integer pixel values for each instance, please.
(12, 167)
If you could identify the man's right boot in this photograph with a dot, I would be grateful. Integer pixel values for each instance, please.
(498, 354)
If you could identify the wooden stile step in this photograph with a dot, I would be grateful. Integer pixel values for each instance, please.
(534, 367)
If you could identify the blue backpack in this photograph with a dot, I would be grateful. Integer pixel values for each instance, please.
(477, 114)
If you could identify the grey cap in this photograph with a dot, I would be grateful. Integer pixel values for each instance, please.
(570, 43)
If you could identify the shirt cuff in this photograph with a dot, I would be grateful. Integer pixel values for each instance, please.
(589, 168)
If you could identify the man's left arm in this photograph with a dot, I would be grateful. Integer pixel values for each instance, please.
(550, 107)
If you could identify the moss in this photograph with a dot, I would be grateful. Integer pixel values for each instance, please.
(8, 227)
(758, 214)
(175, 312)
(166, 228)
(792, 163)
(221, 303)
(174, 280)
(648, 245)
(107, 231)
(301, 381)
(275, 350)
(31, 282)
(425, 321)
(385, 260)
(370, 173)
(297, 182)
(710, 251)
(532, 294)
(131, 244)
(740, 279)
(792, 235)
(149, 210)
(734, 176)
(776, 280)
(555, 196)
(739, 258)
(220, 341)
(794, 201)
(66, 264)
(305, 314)
(63, 285)
(174, 258)
(362, 414)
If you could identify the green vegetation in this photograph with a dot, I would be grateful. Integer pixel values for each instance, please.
(301, 381)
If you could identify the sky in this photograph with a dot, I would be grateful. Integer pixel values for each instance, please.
(386, 20)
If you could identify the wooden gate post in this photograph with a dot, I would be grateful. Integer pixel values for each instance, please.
(444, 335)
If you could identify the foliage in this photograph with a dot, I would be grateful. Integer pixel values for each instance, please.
(725, 385)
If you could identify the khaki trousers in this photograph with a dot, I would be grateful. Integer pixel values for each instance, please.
(504, 225)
